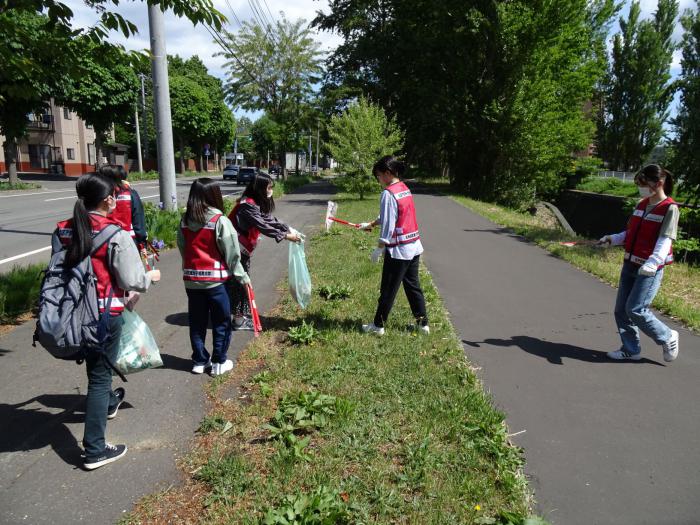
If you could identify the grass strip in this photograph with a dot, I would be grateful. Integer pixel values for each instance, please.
(19, 290)
(344, 427)
(6, 186)
(678, 297)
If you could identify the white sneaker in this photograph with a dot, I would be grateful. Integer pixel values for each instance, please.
(621, 355)
(423, 329)
(371, 329)
(199, 369)
(218, 369)
(671, 347)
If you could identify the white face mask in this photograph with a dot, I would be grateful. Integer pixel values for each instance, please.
(112, 206)
(269, 194)
(645, 191)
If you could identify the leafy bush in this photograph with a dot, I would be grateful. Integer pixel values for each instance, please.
(304, 334)
(162, 224)
(608, 186)
(6, 186)
(143, 175)
(19, 291)
(322, 507)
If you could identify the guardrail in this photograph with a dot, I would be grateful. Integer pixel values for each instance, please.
(624, 176)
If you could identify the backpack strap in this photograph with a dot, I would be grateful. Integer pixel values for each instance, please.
(104, 235)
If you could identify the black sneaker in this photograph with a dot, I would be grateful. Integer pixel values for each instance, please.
(119, 393)
(110, 454)
(247, 324)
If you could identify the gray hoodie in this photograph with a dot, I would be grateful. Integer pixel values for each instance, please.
(226, 242)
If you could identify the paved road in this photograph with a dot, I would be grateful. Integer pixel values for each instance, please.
(605, 442)
(27, 218)
(42, 399)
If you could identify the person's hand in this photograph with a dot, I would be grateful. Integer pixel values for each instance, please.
(367, 226)
(605, 239)
(131, 299)
(245, 279)
(154, 275)
(376, 255)
(293, 236)
(648, 269)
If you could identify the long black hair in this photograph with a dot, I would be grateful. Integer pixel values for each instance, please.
(391, 164)
(655, 173)
(204, 193)
(257, 190)
(92, 189)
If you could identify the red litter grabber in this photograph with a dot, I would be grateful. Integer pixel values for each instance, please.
(331, 218)
(257, 326)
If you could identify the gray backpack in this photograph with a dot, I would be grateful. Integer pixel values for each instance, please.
(69, 323)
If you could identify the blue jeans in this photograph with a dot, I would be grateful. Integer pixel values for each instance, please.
(632, 313)
(202, 305)
(100, 397)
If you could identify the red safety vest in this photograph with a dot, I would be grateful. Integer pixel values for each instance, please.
(202, 260)
(105, 279)
(248, 240)
(643, 231)
(122, 214)
(406, 229)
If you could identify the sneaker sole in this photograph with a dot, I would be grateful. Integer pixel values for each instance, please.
(668, 356)
(631, 358)
(116, 410)
(93, 466)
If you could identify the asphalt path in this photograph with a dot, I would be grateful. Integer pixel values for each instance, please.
(605, 442)
(27, 218)
(42, 400)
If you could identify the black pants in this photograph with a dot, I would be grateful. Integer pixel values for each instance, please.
(237, 292)
(395, 272)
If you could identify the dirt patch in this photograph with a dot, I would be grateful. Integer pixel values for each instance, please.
(8, 327)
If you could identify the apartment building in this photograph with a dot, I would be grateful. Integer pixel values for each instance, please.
(57, 141)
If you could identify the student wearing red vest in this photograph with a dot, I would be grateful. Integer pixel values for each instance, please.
(118, 269)
(129, 211)
(650, 232)
(399, 244)
(251, 217)
(210, 257)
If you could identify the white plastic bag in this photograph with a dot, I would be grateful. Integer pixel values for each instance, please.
(299, 278)
(137, 346)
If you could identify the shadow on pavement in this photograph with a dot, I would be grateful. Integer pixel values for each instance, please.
(34, 428)
(173, 362)
(26, 232)
(554, 352)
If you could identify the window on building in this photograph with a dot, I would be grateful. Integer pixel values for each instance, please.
(88, 126)
(70, 153)
(66, 114)
(91, 153)
(39, 156)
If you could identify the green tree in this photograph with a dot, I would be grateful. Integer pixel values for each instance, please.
(275, 75)
(190, 108)
(638, 90)
(686, 143)
(357, 138)
(265, 136)
(34, 47)
(491, 94)
(104, 89)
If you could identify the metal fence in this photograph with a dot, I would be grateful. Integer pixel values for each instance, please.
(624, 176)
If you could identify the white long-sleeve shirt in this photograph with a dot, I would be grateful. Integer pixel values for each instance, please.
(388, 214)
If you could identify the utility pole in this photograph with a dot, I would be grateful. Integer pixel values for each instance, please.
(138, 137)
(142, 77)
(318, 136)
(161, 100)
(310, 157)
(268, 159)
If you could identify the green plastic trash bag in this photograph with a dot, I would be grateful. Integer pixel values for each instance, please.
(299, 278)
(137, 346)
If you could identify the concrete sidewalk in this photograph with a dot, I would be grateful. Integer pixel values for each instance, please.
(605, 442)
(42, 400)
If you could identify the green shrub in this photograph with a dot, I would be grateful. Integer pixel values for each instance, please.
(143, 175)
(6, 186)
(335, 291)
(322, 507)
(304, 334)
(162, 224)
(19, 291)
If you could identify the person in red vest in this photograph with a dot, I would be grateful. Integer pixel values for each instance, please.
(211, 256)
(129, 212)
(648, 240)
(118, 269)
(251, 217)
(399, 244)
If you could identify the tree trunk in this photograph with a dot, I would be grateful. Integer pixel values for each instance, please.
(182, 155)
(98, 151)
(11, 160)
(296, 159)
(200, 160)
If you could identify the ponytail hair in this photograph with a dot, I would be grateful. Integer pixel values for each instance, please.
(92, 189)
(391, 164)
(204, 193)
(655, 173)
